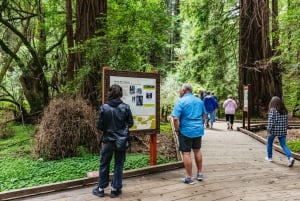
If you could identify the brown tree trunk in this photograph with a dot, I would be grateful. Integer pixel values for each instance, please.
(88, 13)
(35, 88)
(255, 51)
(33, 78)
(70, 40)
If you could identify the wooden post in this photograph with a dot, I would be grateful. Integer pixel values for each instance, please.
(104, 90)
(153, 149)
(249, 105)
(244, 114)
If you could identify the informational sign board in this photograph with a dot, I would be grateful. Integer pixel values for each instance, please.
(246, 98)
(246, 105)
(141, 92)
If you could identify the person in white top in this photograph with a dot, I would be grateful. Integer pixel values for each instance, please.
(230, 107)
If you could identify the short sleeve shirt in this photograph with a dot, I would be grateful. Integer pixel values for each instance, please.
(189, 110)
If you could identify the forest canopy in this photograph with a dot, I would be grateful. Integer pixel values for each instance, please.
(54, 48)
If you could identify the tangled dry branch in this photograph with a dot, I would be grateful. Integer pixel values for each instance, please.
(67, 125)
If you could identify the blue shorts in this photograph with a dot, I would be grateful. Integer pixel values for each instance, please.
(186, 144)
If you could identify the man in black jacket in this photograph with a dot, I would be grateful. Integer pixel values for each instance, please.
(114, 120)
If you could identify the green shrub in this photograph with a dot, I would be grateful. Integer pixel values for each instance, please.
(6, 131)
(294, 146)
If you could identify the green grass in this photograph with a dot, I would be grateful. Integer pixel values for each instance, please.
(294, 146)
(19, 169)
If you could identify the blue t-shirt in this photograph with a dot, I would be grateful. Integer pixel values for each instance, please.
(189, 110)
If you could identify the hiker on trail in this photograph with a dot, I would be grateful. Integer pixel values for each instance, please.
(210, 105)
(188, 116)
(216, 110)
(230, 107)
(202, 93)
(277, 127)
(114, 120)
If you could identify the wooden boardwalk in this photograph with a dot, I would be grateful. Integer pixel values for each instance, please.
(234, 170)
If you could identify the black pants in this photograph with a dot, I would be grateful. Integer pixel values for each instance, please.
(229, 118)
(107, 153)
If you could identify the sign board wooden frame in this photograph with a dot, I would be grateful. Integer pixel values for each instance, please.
(141, 91)
(246, 105)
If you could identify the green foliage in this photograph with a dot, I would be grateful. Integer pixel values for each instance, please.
(294, 146)
(19, 169)
(165, 129)
(208, 47)
(6, 131)
(136, 36)
(289, 58)
(20, 144)
(24, 172)
(169, 90)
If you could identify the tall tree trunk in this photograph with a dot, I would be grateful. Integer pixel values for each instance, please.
(255, 51)
(34, 81)
(88, 13)
(35, 88)
(70, 40)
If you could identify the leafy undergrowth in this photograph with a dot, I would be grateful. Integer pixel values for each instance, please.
(19, 169)
(292, 139)
(294, 146)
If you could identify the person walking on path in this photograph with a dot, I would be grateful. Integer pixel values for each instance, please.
(217, 108)
(210, 105)
(114, 120)
(277, 127)
(188, 115)
(202, 94)
(230, 107)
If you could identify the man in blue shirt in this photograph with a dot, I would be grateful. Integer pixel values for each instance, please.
(188, 115)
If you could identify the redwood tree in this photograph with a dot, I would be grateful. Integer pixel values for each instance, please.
(255, 52)
(89, 19)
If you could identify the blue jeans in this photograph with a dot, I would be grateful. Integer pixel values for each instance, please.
(282, 141)
(211, 117)
(106, 154)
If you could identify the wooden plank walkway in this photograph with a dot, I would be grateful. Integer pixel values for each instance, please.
(234, 170)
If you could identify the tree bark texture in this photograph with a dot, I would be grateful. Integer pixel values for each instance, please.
(35, 88)
(70, 40)
(88, 13)
(255, 51)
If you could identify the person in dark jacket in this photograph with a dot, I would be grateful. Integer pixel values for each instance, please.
(114, 120)
(210, 105)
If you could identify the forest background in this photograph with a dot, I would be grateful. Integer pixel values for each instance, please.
(53, 51)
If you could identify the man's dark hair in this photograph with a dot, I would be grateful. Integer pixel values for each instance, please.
(115, 91)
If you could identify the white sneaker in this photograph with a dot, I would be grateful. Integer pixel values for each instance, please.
(199, 176)
(291, 162)
(268, 159)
